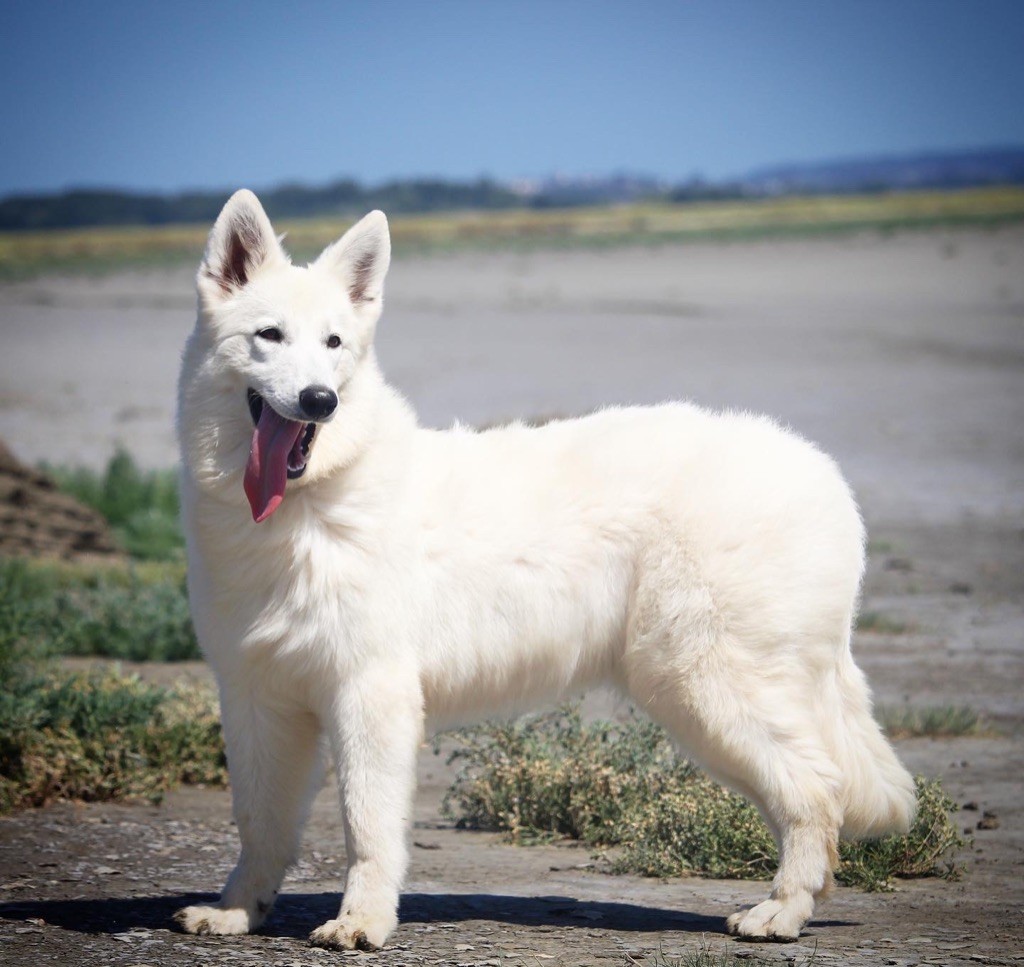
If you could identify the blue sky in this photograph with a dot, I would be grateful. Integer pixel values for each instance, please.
(163, 96)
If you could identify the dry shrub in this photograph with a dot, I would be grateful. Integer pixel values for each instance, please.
(621, 786)
(95, 736)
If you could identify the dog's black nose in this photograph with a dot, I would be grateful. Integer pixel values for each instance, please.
(317, 402)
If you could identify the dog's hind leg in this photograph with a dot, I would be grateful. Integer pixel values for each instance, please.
(781, 767)
(275, 768)
(799, 798)
(744, 710)
(375, 733)
(776, 755)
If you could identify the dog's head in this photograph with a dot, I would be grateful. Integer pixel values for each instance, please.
(275, 362)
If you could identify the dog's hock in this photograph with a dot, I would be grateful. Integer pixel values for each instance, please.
(360, 259)
(242, 240)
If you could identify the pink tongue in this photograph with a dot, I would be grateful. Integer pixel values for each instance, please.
(266, 473)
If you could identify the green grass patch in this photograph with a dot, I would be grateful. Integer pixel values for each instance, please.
(937, 721)
(621, 785)
(874, 622)
(94, 736)
(879, 547)
(135, 614)
(141, 506)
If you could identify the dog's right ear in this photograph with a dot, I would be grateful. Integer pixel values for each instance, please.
(241, 241)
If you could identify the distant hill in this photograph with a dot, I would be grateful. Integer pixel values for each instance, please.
(346, 198)
(933, 169)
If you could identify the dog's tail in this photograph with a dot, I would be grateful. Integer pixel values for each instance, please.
(877, 792)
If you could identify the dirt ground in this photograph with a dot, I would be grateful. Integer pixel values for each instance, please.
(902, 355)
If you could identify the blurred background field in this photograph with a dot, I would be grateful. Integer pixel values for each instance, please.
(28, 253)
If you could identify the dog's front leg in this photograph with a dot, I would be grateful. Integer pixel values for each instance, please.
(377, 727)
(275, 768)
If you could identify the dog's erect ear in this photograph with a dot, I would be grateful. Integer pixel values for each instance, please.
(360, 259)
(241, 240)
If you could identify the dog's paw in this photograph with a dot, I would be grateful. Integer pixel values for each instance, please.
(213, 920)
(770, 920)
(354, 932)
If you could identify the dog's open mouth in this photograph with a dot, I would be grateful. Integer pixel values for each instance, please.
(279, 453)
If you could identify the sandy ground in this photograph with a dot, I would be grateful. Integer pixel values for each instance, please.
(901, 355)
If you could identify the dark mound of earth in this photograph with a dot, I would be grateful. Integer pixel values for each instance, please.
(37, 520)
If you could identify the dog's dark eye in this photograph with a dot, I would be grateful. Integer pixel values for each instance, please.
(333, 342)
(271, 334)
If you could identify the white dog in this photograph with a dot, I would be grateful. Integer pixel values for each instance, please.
(398, 579)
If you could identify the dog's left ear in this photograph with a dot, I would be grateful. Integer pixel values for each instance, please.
(360, 260)
(241, 241)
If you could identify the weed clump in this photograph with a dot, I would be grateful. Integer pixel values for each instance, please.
(933, 720)
(95, 736)
(697, 828)
(874, 622)
(551, 776)
(620, 786)
(927, 850)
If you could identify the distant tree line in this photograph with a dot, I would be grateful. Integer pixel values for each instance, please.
(88, 207)
(81, 208)
(348, 198)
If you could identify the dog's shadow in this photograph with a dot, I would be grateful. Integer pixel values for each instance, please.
(296, 914)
